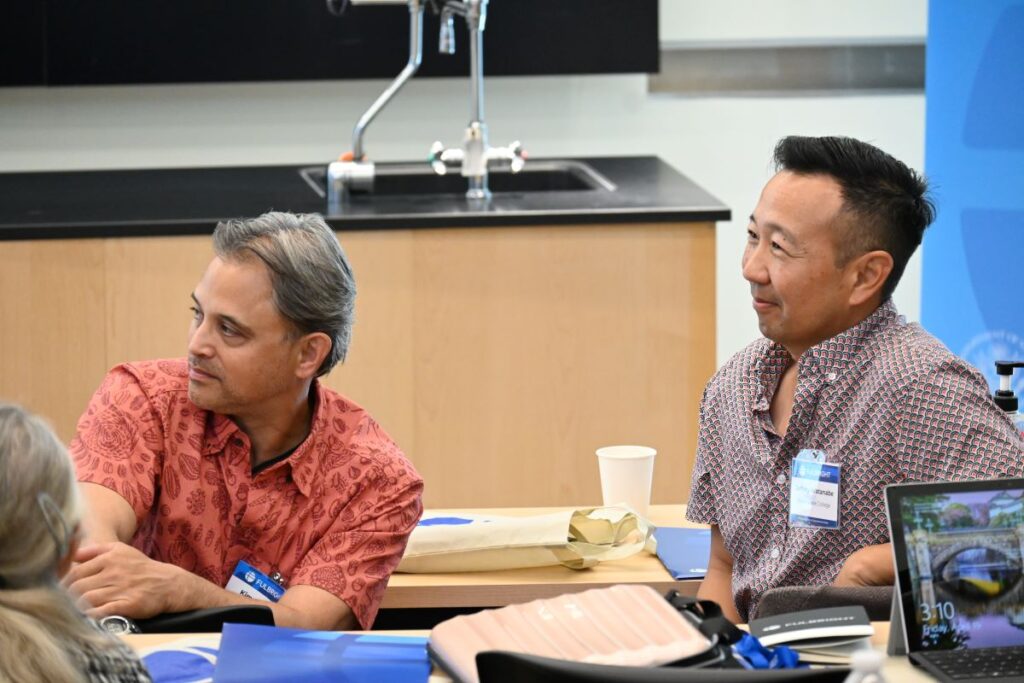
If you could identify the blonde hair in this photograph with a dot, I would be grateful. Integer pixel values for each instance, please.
(39, 513)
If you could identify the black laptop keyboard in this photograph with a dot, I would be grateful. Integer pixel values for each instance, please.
(989, 662)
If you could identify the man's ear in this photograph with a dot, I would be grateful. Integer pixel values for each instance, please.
(868, 273)
(313, 349)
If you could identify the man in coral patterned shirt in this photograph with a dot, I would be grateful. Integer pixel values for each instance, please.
(235, 467)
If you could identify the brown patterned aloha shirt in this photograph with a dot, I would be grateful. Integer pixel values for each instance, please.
(336, 513)
(884, 399)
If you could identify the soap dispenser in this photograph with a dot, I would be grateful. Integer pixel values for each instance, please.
(1004, 396)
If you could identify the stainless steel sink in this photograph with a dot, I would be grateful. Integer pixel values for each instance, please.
(394, 179)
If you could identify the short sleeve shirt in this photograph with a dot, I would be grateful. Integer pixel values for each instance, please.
(884, 399)
(335, 514)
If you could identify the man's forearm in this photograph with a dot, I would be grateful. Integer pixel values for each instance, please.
(196, 592)
(110, 517)
(717, 586)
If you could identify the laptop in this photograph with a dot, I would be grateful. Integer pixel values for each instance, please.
(959, 594)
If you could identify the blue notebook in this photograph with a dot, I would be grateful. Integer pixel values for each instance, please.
(265, 654)
(684, 552)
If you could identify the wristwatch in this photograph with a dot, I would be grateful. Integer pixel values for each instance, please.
(118, 625)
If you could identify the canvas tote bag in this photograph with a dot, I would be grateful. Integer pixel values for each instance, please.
(577, 539)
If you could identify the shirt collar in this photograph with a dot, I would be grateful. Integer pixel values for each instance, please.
(220, 429)
(304, 461)
(830, 356)
(836, 353)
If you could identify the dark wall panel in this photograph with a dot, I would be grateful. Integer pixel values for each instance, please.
(127, 41)
(22, 42)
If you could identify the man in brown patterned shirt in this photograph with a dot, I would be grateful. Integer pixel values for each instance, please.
(840, 372)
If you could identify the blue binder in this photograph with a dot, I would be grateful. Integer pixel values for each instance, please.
(684, 552)
(265, 654)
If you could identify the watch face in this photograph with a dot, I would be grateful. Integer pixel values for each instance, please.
(118, 625)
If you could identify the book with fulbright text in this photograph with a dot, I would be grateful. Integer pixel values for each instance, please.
(821, 636)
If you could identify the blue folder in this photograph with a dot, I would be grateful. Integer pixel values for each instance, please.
(684, 552)
(265, 654)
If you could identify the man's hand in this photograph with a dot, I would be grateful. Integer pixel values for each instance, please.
(869, 566)
(115, 578)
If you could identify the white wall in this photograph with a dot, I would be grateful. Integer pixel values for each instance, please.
(790, 21)
(723, 143)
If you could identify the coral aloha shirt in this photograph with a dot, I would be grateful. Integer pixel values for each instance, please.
(884, 399)
(336, 513)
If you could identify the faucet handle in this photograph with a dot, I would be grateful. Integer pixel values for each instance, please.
(441, 158)
(514, 154)
(446, 37)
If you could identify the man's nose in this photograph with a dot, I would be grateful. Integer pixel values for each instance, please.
(752, 266)
(198, 339)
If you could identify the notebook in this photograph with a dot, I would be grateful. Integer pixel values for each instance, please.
(959, 596)
(830, 635)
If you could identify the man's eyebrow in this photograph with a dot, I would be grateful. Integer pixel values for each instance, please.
(776, 228)
(234, 322)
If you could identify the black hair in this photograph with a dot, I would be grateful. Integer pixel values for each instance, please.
(886, 202)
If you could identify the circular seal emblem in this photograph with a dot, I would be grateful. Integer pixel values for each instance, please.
(250, 577)
(983, 350)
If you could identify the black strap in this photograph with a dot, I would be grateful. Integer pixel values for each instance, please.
(710, 620)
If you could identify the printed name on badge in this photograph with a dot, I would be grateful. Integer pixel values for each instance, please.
(814, 491)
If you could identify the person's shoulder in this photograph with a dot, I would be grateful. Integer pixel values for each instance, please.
(139, 386)
(155, 376)
(344, 420)
(340, 412)
(915, 353)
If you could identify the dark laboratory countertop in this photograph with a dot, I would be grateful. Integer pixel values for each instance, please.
(190, 201)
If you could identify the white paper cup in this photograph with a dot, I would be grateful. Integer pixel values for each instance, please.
(626, 474)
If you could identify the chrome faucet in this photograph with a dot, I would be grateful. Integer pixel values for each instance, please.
(476, 154)
(355, 172)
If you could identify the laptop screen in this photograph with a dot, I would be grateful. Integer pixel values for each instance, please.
(958, 556)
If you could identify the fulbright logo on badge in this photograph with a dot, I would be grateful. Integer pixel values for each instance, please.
(252, 583)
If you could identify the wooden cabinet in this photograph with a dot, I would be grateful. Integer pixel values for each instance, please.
(498, 358)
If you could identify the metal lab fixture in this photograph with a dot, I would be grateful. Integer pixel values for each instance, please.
(475, 155)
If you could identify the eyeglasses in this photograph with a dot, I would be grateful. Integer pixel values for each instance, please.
(54, 518)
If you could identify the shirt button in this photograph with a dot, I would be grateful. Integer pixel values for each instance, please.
(831, 377)
(781, 478)
(775, 553)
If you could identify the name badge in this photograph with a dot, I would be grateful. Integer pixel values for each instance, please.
(814, 491)
(252, 583)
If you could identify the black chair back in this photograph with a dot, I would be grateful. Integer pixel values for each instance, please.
(876, 600)
(207, 620)
(511, 667)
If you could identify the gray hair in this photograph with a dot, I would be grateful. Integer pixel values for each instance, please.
(39, 503)
(313, 285)
(40, 509)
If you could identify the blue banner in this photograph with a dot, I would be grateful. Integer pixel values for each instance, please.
(974, 156)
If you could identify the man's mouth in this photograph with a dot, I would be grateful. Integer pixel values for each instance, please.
(195, 372)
